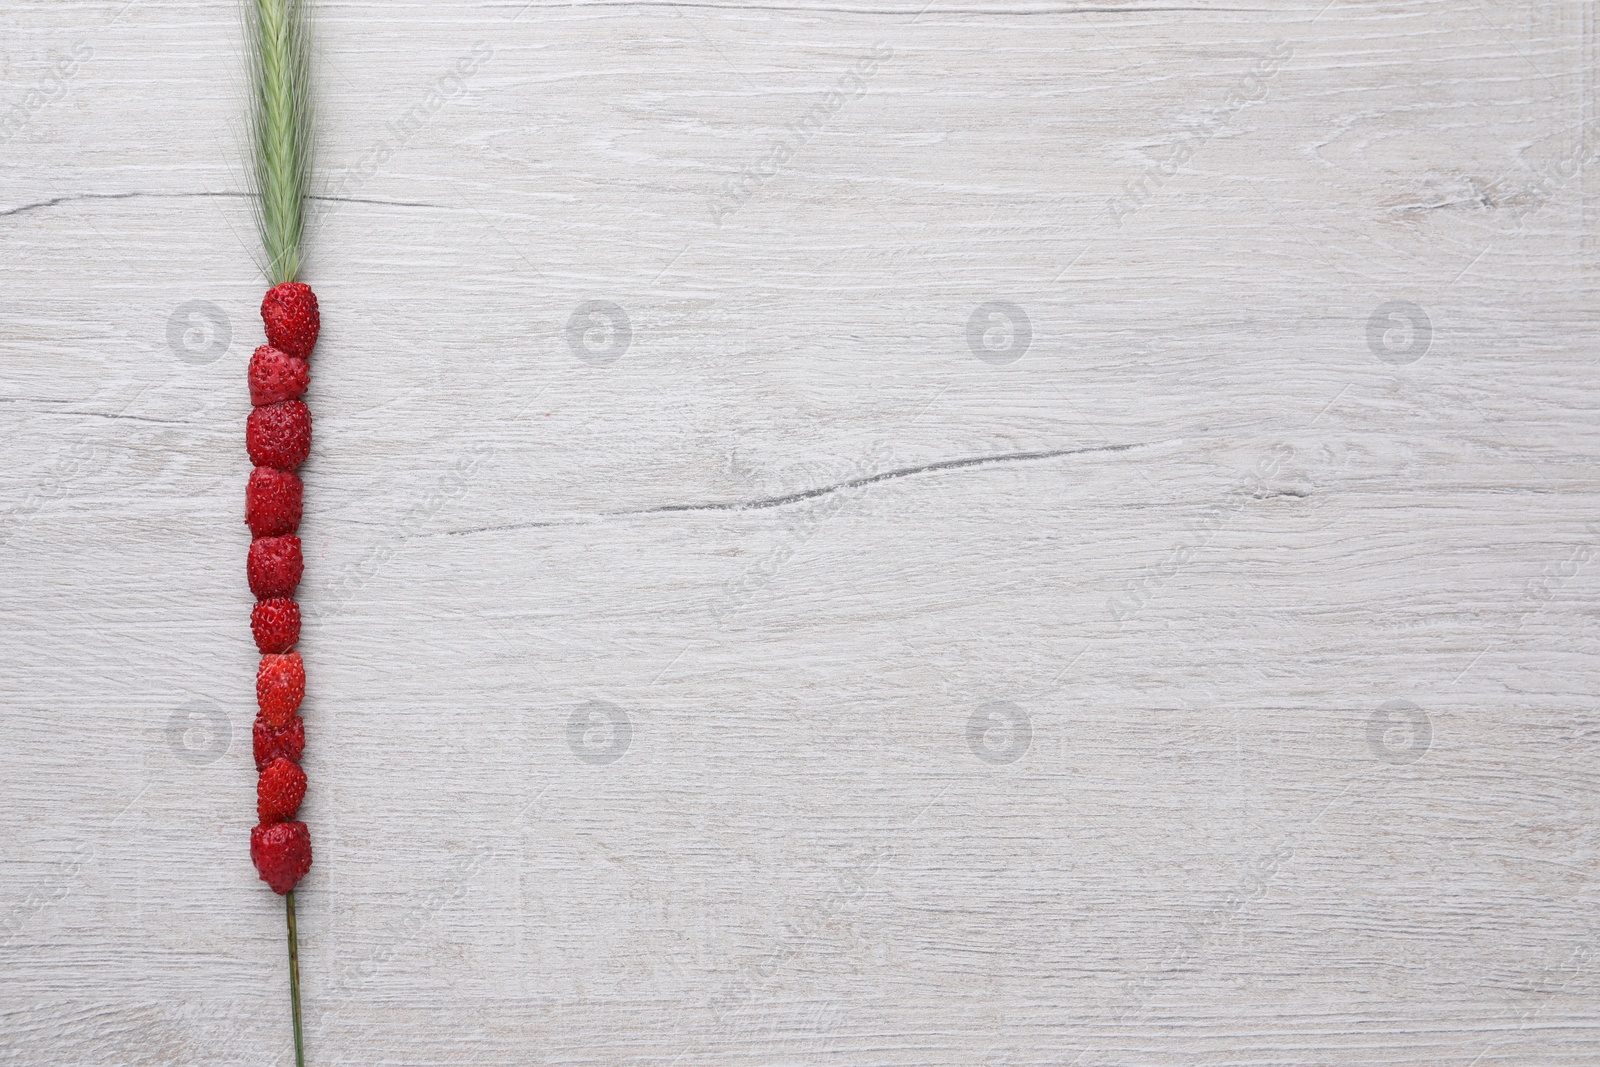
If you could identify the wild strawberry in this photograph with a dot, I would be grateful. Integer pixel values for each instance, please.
(272, 502)
(274, 566)
(281, 851)
(276, 376)
(287, 742)
(280, 686)
(275, 624)
(279, 435)
(290, 314)
(279, 791)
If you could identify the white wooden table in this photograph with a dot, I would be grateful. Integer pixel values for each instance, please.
(838, 533)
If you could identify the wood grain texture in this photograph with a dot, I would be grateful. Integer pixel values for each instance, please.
(827, 668)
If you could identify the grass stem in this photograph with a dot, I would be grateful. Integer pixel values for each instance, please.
(294, 981)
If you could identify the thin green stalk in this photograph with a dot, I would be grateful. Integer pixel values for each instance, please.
(294, 982)
(281, 129)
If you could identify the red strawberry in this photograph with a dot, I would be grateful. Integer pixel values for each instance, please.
(272, 502)
(281, 851)
(276, 376)
(286, 743)
(275, 624)
(279, 435)
(290, 313)
(279, 791)
(275, 566)
(280, 686)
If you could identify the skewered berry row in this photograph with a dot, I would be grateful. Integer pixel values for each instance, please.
(278, 437)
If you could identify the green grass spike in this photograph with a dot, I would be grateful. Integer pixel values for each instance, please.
(281, 129)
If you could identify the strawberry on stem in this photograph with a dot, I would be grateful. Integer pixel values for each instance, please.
(281, 852)
(274, 566)
(273, 501)
(290, 314)
(279, 791)
(279, 435)
(280, 687)
(276, 376)
(275, 623)
(286, 742)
